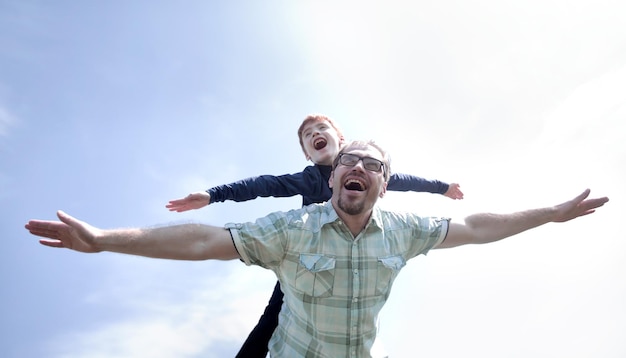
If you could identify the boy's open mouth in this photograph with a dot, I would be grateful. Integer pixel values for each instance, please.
(319, 143)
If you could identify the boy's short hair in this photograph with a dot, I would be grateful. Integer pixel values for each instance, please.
(317, 118)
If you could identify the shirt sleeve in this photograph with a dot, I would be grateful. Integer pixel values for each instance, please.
(407, 182)
(443, 231)
(426, 233)
(429, 233)
(262, 242)
(286, 185)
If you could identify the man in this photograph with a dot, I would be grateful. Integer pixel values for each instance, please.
(335, 261)
(320, 140)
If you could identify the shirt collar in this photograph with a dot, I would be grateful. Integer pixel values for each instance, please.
(331, 215)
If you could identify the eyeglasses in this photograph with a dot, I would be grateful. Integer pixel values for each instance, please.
(371, 164)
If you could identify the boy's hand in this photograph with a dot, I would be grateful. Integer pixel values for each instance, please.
(192, 201)
(454, 192)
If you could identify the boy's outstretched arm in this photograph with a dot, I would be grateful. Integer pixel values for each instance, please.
(190, 202)
(309, 182)
(407, 182)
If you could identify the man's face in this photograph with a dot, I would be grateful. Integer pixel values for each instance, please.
(356, 189)
(320, 142)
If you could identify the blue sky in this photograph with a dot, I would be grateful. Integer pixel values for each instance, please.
(110, 109)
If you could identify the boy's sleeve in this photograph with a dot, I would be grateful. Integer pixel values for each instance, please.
(262, 186)
(406, 182)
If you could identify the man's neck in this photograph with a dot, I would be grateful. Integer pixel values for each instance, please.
(355, 222)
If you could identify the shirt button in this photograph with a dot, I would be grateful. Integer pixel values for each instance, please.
(356, 272)
(355, 299)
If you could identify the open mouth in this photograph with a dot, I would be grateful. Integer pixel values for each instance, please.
(353, 184)
(319, 143)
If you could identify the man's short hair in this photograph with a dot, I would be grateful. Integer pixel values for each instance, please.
(361, 144)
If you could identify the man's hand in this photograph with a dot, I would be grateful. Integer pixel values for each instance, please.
(69, 233)
(579, 206)
(192, 201)
(454, 192)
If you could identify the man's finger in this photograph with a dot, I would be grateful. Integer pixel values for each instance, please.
(42, 228)
(51, 243)
(68, 219)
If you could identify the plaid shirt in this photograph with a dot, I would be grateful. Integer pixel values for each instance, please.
(334, 284)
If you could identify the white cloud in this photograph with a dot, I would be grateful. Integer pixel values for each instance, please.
(208, 316)
(6, 121)
(545, 286)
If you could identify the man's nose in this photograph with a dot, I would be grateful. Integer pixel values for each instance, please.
(359, 164)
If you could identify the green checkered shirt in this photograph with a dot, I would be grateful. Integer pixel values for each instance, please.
(334, 284)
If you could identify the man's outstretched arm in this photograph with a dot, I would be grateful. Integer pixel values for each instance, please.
(485, 228)
(179, 242)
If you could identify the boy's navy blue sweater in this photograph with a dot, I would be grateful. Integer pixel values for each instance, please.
(312, 184)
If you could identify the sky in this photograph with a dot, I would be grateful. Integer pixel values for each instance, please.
(110, 109)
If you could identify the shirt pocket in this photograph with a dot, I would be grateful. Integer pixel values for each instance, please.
(388, 269)
(316, 275)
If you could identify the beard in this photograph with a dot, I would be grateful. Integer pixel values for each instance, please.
(351, 208)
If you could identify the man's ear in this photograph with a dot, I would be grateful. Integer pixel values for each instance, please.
(382, 192)
(330, 180)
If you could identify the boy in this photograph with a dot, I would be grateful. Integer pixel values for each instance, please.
(320, 139)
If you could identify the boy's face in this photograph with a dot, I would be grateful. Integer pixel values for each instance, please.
(320, 142)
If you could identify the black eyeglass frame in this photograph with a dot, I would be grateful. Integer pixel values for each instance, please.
(379, 164)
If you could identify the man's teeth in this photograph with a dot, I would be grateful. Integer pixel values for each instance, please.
(354, 184)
